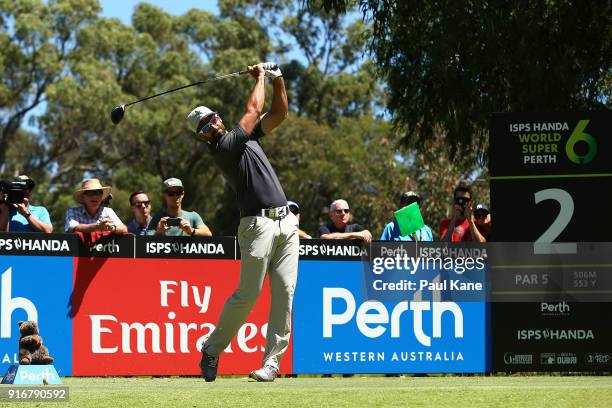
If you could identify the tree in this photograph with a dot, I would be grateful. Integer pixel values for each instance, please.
(452, 63)
(36, 39)
(342, 149)
(354, 160)
(333, 78)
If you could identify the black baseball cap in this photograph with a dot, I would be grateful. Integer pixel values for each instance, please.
(29, 182)
(293, 206)
(482, 208)
(410, 197)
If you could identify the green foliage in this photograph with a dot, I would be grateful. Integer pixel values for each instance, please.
(525, 391)
(82, 65)
(451, 64)
(354, 160)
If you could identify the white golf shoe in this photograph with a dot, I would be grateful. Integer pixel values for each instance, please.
(266, 374)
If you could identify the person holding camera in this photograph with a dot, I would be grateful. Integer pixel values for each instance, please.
(92, 215)
(20, 215)
(464, 227)
(173, 220)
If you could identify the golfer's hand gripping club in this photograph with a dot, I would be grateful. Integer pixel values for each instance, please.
(272, 70)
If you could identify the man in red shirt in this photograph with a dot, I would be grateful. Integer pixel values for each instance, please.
(464, 228)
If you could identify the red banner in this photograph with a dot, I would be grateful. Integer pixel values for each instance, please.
(151, 316)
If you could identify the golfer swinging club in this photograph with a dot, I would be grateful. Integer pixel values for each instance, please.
(268, 232)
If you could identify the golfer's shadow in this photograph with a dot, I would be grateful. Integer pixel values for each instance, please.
(85, 271)
(86, 268)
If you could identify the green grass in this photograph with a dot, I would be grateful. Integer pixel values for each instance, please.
(524, 391)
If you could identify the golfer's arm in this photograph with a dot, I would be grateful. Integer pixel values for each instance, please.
(278, 109)
(254, 105)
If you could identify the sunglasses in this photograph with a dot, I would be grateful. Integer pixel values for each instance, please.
(211, 122)
(174, 193)
(90, 193)
(142, 204)
(480, 214)
(345, 211)
(294, 210)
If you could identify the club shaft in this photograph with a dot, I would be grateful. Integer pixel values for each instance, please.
(233, 74)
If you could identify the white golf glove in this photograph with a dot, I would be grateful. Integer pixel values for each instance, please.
(272, 70)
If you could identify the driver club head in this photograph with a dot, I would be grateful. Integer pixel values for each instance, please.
(117, 114)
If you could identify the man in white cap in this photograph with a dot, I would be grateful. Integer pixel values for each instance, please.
(172, 219)
(268, 231)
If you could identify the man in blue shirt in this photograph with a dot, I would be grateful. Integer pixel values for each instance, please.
(392, 230)
(24, 217)
(140, 205)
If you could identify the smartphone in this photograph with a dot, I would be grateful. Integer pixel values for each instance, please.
(173, 222)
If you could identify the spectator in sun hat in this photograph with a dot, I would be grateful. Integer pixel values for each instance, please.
(92, 215)
(295, 209)
(392, 229)
(24, 217)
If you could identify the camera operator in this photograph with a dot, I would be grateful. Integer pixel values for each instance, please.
(22, 216)
(463, 222)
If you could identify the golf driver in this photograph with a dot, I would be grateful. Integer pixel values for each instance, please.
(119, 111)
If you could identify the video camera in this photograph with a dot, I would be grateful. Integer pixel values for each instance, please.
(13, 192)
(462, 201)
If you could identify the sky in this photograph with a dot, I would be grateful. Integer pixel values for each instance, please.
(123, 9)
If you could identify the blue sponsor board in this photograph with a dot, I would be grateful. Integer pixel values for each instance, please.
(36, 288)
(32, 375)
(337, 331)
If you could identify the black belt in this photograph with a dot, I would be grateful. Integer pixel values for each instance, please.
(276, 212)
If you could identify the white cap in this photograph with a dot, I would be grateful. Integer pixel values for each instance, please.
(196, 115)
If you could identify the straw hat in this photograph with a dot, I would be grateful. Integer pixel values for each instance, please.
(91, 184)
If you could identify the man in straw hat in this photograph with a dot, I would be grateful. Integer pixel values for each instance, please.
(24, 217)
(93, 216)
(268, 231)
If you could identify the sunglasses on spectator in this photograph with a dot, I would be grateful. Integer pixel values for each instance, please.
(294, 210)
(90, 193)
(142, 204)
(174, 193)
(480, 214)
(211, 122)
(345, 211)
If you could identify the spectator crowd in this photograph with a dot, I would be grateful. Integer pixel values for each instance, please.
(468, 221)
